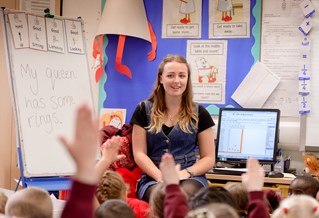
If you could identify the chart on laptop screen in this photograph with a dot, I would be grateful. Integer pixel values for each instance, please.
(245, 133)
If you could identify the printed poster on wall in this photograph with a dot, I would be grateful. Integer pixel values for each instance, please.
(207, 59)
(182, 19)
(112, 116)
(229, 18)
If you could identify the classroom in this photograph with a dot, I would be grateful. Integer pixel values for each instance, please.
(120, 64)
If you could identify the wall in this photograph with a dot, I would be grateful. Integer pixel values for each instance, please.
(289, 130)
(8, 159)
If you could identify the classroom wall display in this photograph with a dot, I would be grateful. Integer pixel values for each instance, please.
(49, 76)
(312, 119)
(119, 91)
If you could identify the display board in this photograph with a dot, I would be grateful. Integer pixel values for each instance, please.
(312, 121)
(50, 77)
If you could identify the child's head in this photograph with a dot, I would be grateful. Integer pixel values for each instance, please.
(3, 201)
(30, 202)
(240, 194)
(213, 210)
(157, 201)
(114, 208)
(304, 185)
(212, 194)
(297, 206)
(111, 186)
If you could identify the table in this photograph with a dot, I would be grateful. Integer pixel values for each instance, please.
(280, 185)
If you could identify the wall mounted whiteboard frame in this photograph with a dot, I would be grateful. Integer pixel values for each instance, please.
(44, 115)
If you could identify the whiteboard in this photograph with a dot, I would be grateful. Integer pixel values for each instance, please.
(47, 87)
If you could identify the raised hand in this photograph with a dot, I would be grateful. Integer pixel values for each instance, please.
(83, 146)
(170, 171)
(109, 155)
(253, 179)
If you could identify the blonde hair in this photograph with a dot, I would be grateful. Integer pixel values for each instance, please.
(3, 201)
(111, 186)
(156, 201)
(30, 202)
(240, 194)
(297, 206)
(159, 109)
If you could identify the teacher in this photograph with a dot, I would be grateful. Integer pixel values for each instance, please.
(169, 121)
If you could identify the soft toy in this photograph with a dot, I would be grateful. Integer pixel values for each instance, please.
(311, 164)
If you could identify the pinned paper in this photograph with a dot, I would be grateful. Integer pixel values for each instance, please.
(306, 26)
(307, 8)
(305, 61)
(74, 36)
(304, 72)
(304, 104)
(257, 86)
(112, 116)
(305, 43)
(37, 32)
(55, 37)
(304, 86)
(19, 29)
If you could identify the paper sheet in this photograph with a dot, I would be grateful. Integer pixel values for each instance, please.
(257, 86)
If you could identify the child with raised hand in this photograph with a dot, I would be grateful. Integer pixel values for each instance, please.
(253, 180)
(83, 150)
(175, 201)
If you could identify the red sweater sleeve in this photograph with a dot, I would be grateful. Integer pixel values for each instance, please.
(80, 202)
(175, 202)
(257, 207)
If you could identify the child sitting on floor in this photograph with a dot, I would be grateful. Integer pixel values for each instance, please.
(114, 208)
(30, 202)
(304, 185)
(297, 206)
(112, 186)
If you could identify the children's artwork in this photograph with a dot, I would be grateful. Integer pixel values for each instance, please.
(229, 18)
(182, 19)
(208, 63)
(112, 116)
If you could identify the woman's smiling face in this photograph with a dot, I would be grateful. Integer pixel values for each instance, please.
(174, 79)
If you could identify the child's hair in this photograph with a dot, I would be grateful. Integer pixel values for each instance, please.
(156, 201)
(297, 206)
(3, 201)
(111, 186)
(304, 185)
(30, 202)
(240, 194)
(114, 208)
(213, 210)
(212, 194)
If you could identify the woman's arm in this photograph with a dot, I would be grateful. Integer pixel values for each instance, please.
(207, 154)
(140, 153)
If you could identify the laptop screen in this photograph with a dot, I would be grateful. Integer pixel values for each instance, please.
(246, 132)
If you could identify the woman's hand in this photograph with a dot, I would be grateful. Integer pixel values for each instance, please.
(183, 174)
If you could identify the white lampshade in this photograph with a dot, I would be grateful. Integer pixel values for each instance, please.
(124, 17)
